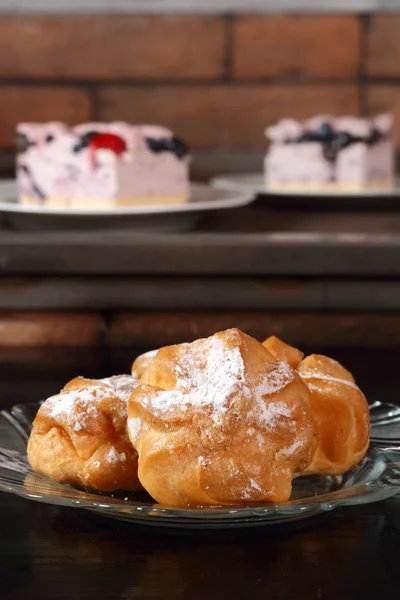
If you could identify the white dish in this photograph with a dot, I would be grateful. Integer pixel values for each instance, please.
(202, 198)
(254, 183)
(165, 219)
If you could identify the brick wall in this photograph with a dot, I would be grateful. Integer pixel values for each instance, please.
(148, 330)
(217, 80)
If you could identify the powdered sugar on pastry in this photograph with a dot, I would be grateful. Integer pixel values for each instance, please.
(254, 485)
(207, 383)
(65, 403)
(122, 385)
(134, 426)
(297, 444)
(280, 375)
(114, 456)
(269, 414)
(248, 492)
(213, 379)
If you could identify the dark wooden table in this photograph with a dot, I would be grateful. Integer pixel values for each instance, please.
(48, 552)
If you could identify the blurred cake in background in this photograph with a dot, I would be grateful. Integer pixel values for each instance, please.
(100, 165)
(325, 152)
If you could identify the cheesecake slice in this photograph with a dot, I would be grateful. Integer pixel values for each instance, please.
(331, 153)
(100, 165)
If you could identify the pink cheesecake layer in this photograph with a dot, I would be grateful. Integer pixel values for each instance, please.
(302, 163)
(361, 164)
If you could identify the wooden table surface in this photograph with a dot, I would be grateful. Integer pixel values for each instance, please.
(49, 552)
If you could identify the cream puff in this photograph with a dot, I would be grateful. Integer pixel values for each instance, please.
(79, 436)
(220, 421)
(338, 406)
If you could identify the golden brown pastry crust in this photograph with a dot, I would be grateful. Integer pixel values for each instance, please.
(282, 351)
(219, 421)
(79, 436)
(337, 405)
(141, 363)
(341, 412)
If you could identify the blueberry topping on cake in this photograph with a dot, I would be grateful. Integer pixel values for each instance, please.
(38, 192)
(84, 141)
(179, 148)
(334, 141)
(325, 131)
(342, 140)
(174, 144)
(375, 136)
(307, 136)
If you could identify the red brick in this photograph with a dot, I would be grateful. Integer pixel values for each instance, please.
(300, 329)
(383, 98)
(383, 46)
(112, 46)
(225, 116)
(20, 103)
(296, 47)
(49, 329)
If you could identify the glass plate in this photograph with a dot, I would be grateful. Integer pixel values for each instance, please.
(376, 478)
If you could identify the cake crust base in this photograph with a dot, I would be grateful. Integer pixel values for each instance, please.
(387, 184)
(97, 204)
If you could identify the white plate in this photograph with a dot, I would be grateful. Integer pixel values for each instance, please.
(179, 217)
(202, 198)
(254, 183)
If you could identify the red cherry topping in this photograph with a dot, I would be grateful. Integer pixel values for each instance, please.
(108, 141)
